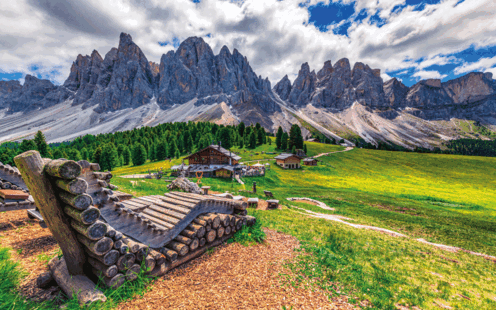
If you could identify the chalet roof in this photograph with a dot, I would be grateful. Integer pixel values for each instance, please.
(309, 159)
(286, 155)
(219, 149)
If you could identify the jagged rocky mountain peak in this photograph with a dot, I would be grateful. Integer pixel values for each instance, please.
(283, 88)
(326, 70)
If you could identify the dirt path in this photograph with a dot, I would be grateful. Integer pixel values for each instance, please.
(236, 277)
(349, 148)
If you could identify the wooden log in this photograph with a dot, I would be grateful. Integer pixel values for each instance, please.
(94, 167)
(200, 222)
(180, 248)
(80, 202)
(87, 217)
(198, 229)
(120, 246)
(118, 235)
(113, 187)
(250, 220)
(108, 271)
(133, 246)
(158, 257)
(228, 230)
(76, 186)
(109, 258)
(239, 205)
(220, 232)
(95, 231)
(213, 220)
(115, 282)
(233, 220)
(149, 263)
(102, 183)
(31, 167)
(210, 236)
(239, 223)
(110, 232)
(195, 243)
(188, 233)
(171, 255)
(133, 272)
(99, 247)
(208, 228)
(64, 169)
(241, 212)
(103, 175)
(183, 239)
(203, 241)
(125, 261)
(79, 285)
(45, 280)
(158, 271)
(225, 219)
(142, 252)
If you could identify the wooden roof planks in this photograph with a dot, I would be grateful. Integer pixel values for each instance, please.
(13, 194)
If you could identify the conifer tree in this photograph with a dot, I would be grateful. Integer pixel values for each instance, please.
(173, 150)
(139, 154)
(305, 148)
(97, 154)
(109, 158)
(126, 154)
(279, 138)
(28, 145)
(295, 137)
(293, 150)
(241, 129)
(225, 138)
(58, 153)
(284, 141)
(41, 145)
(253, 139)
(162, 150)
(84, 154)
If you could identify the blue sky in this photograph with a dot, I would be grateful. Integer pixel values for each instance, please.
(407, 39)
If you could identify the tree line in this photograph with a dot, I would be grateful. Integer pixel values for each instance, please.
(165, 141)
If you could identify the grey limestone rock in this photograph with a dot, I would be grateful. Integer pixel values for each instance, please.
(283, 88)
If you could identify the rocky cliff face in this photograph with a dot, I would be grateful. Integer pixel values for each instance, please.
(35, 93)
(334, 86)
(8, 90)
(283, 88)
(471, 87)
(395, 92)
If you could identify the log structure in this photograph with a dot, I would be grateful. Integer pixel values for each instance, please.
(111, 239)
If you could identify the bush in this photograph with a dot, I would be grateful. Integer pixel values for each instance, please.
(248, 235)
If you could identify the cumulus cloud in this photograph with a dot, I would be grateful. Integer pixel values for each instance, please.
(482, 64)
(423, 75)
(275, 36)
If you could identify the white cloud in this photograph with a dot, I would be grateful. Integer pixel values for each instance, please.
(423, 75)
(482, 64)
(274, 35)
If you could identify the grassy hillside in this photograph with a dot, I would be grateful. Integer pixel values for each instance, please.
(441, 198)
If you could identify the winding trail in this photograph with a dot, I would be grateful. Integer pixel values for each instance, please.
(349, 148)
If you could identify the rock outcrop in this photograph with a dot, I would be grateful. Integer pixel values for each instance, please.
(471, 87)
(31, 95)
(182, 183)
(283, 88)
(8, 91)
(395, 92)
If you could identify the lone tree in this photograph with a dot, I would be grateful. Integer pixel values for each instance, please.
(41, 144)
(279, 137)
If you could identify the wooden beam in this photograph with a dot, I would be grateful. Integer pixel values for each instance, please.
(31, 166)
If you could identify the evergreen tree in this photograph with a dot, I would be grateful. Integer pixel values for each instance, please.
(225, 138)
(293, 150)
(41, 145)
(120, 149)
(188, 143)
(269, 140)
(84, 154)
(28, 145)
(162, 150)
(73, 154)
(121, 159)
(305, 148)
(264, 137)
(295, 137)
(284, 141)
(139, 154)
(241, 142)
(126, 154)
(241, 129)
(253, 139)
(109, 158)
(173, 150)
(260, 135)
(279, 138)
(152, 154)
(58, 153)
(97, 154)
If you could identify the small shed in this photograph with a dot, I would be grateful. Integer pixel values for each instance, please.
(288, 161)
(310, 162)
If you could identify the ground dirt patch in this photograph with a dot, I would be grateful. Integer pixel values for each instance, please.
(236, 277)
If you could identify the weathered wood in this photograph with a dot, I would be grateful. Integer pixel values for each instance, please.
(206, 219)
(142, 252)
(109, 258)
(103, 175)
(241, 213)
(80, 202)
(99, 247)
(79, 285)
(208, 228)
(171, 255)
(239, 205)
(65, 169)
(195, 243)
(149, 263)
(158, 257)
(87, 217)
(108, 271)
(158, 271)
(45, 280)
(110, 232)
(183, 239)
(220, 232)
(200, 222)
(158, 202)
(95, 231)
(102, 183)
(133, 246)
(120, 246)
(125, 261)
(94, 167)
(188, 233)
(198, 229)
(115, 282)
(210, 236)
(225, 219)
(250, 220)
(118, 235)
(76, 186)
(239, 224)
(32, 169)
(228, 230)
(180, 248)
(133, 272)
(203, 241)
